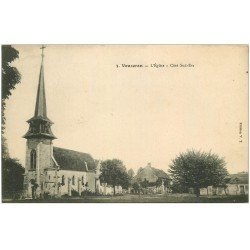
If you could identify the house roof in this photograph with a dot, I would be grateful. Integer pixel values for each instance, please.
(149, 173)
(160, 173)
(239, 178)
(73, 160)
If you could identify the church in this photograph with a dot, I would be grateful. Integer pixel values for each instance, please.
(53, 171)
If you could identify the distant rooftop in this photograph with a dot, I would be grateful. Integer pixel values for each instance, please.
(151, 174)
(239, 178)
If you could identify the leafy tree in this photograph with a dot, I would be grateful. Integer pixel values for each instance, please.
(145, 183)
(10, 77)
(5, 151)
(114, 173)
(12, 175)
(196, 169)
(166, 182)
(12, 170)
(224, 183)
(178, 188)
(136, 187)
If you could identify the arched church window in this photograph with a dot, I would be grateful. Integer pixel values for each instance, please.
(33, 159)
(82, 180)
(63, 180)
(73, 180)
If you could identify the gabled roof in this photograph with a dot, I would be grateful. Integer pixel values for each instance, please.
(149, 173)
(73, 160)
(160, 173)
(239, 178)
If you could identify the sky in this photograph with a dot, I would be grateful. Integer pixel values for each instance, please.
(138, 115)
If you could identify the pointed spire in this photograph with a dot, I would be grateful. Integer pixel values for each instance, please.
(40, 124)
(41, 109)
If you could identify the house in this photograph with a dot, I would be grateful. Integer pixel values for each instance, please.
(52, 170)
(237, 184)
(157, 180)
(150, 174)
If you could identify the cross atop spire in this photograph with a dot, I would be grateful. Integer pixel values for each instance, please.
(40, 123)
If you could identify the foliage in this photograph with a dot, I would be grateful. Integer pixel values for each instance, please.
(87, 192)
(179, 188)
(12, 175)
(196, 169)
(145, 183)
(224, 183)
(33, 183)
(47, 195)
(5, 151)
(114, 173)
(65, 196)
(136, 187)
(10, 74)
(74, 193)
(166, 182)
(10, 77)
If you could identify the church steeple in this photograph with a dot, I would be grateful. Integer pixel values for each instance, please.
(40, 124)
(41, 110)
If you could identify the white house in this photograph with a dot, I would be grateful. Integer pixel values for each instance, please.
(237, 185)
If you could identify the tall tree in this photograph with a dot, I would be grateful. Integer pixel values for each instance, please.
(10, 74)
(12, 170)
(196, 169)
(10, 78)
(114, 173)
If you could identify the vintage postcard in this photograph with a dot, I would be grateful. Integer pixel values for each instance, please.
(125, 123)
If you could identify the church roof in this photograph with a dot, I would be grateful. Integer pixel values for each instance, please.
(73, 160)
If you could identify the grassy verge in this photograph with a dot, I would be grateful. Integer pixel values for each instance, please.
(173, 198)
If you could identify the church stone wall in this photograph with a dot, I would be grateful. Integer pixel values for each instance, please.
(45, 155)
(91, 181)
(77, 185)
(43, 160)
(43, 152)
